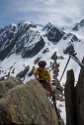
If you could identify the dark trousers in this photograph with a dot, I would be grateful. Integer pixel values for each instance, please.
(45, 84)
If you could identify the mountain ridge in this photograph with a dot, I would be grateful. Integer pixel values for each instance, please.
(28, 41)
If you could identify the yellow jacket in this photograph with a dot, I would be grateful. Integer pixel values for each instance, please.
(42, 74)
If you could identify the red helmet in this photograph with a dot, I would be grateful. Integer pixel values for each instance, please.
(42, 63)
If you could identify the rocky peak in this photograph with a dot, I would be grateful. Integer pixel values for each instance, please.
(53, 33)
(82, 23)
(78, 25)
(20, 39)
(47, 27)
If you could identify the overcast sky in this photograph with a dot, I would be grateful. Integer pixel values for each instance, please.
(58, 12)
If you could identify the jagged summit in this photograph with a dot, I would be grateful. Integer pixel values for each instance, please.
(79, 26)
(48, 26)
(27, 23)
(20, 39)
(53, 33)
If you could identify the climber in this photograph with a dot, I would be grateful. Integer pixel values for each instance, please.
(43, 76)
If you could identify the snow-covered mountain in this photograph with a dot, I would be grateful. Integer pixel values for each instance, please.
(22, 45)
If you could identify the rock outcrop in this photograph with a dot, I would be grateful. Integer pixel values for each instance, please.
(70, 98)
(27, 104)
(74, 99)
(80, 98)
(8, 84)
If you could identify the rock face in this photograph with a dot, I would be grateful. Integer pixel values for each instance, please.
(70, 99)
(74, 99)
(8, 84)
(22, 39)
(80, 98)
(27, 104)
(53, 34)
(78, 25)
